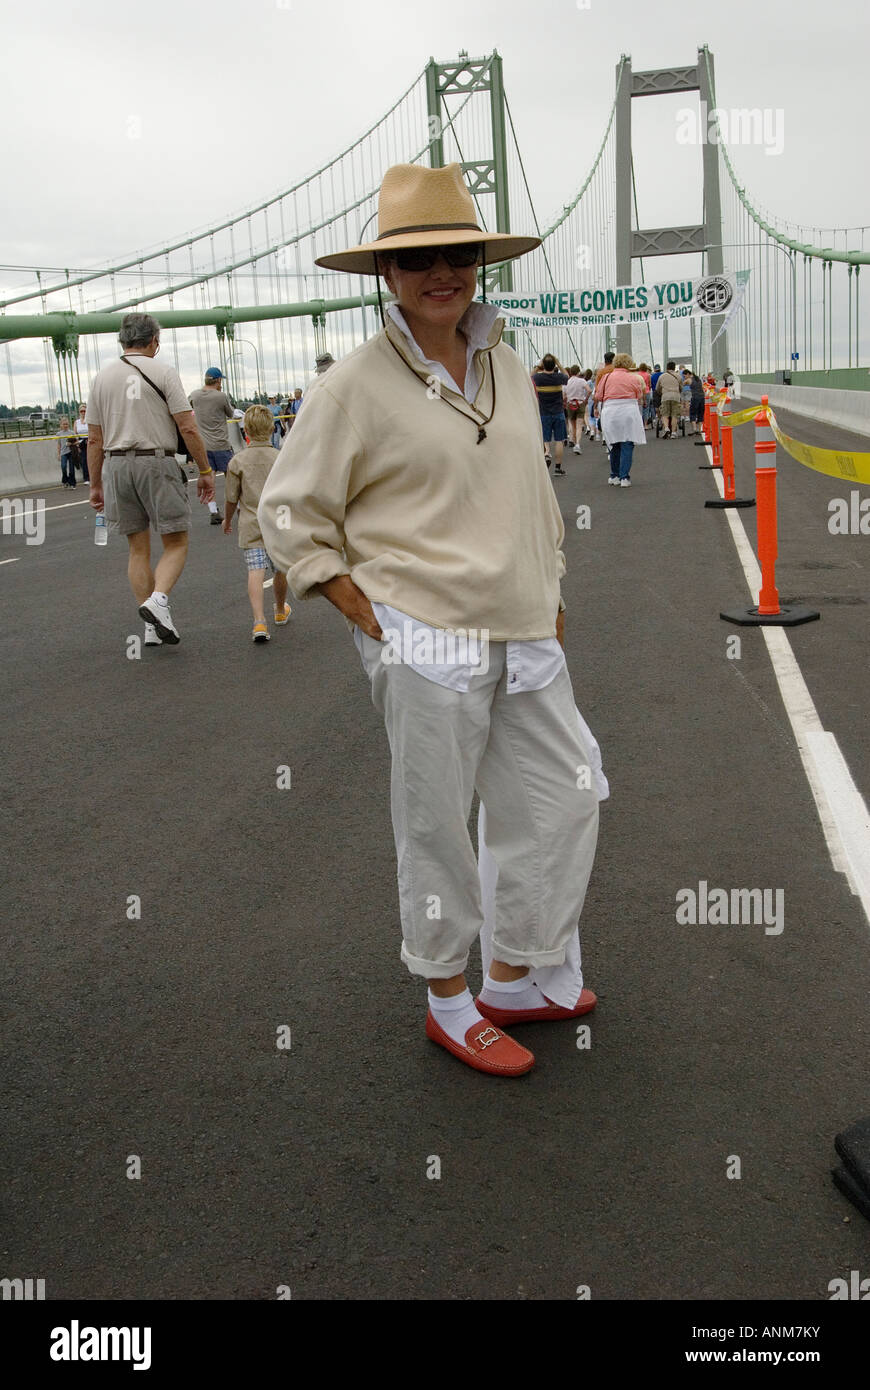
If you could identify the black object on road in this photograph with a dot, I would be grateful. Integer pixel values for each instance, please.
(853, 1176)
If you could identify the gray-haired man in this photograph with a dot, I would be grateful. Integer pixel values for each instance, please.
(133, 409)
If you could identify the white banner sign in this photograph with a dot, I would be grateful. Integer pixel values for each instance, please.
(641, 304)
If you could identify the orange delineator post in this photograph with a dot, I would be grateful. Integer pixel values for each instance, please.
(765, 496)
(714, 437)
(726, 454)
(768, 609)
(728, 462)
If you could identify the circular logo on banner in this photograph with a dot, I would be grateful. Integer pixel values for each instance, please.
(714, 294)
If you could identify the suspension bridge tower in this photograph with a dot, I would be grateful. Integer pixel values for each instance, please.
(488, 175)
(705, 237)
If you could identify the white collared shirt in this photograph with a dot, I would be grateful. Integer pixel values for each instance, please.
(445, 658)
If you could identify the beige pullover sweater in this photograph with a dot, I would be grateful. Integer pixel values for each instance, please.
(380, 479)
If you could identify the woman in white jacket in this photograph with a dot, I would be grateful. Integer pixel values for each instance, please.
(412, 494)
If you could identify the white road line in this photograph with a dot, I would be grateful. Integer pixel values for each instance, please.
(59, 506)
(10, 562)
(841, 807)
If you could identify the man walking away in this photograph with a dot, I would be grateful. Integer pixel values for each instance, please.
(548, 384)
(212, 410)
(576, 395)
(134, 408)
(669, 385)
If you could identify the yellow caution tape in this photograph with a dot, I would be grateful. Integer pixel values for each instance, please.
(41, 438)
(741, 417)
(855, 468)
(836, 463)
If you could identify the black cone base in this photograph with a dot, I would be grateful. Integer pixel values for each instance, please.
(700, 443)
(853, 1146)
(850, 1188)
(711, 466)
(789, 615)
(731, 502)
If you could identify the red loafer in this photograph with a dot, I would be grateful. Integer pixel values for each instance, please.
(585, 1004)
(486, 1049)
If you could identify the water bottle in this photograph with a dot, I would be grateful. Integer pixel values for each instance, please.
(101, 529)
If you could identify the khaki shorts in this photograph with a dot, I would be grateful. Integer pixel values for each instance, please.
(142, 492)
(670, 410)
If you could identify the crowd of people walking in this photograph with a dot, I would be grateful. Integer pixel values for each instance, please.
(616, 405)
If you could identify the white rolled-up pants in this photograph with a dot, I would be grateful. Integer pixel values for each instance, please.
(525, 756)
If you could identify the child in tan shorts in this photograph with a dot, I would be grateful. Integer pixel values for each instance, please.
(246, 475)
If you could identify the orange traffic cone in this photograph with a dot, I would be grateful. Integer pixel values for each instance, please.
(768, 610)
(730, 499)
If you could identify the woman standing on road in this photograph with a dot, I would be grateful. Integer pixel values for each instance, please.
(621, 394)
(65, 453)
(81, 432)
(422, 509)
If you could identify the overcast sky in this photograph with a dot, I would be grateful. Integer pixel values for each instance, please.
(238, 99)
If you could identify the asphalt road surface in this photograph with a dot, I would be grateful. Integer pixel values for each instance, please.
(264, 907)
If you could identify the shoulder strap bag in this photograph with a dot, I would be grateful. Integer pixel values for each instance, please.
(181, 446)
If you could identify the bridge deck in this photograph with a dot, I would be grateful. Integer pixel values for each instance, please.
(263, 907)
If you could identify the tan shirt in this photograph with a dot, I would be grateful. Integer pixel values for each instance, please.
(385, 482)
(129, 412)
(212, 410)
(669, 385)
(246, 475)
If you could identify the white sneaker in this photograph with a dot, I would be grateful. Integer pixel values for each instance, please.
(614, 482)
(577, 449)
(159, 615)
(151, 637)
(624, 482)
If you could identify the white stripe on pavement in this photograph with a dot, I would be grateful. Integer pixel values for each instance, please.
(59, 506)
(10, 562)
(841, 807)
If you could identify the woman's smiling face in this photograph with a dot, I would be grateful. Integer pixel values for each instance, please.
(437, 297)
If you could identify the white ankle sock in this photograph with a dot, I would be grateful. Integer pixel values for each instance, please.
(159, 597)
(212, 506)
(456, 1014)
(512, 994)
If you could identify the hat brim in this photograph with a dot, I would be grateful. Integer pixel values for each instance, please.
(360, 260)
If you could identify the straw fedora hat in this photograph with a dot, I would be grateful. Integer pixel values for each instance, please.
(426, 207)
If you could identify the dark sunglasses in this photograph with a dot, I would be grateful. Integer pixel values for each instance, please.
(424, 257)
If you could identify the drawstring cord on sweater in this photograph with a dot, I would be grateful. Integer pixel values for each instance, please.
(481, 431)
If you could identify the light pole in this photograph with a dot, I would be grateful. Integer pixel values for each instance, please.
(730, 245)
(253, 347)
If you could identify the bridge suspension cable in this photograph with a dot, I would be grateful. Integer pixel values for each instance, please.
(787, 324)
